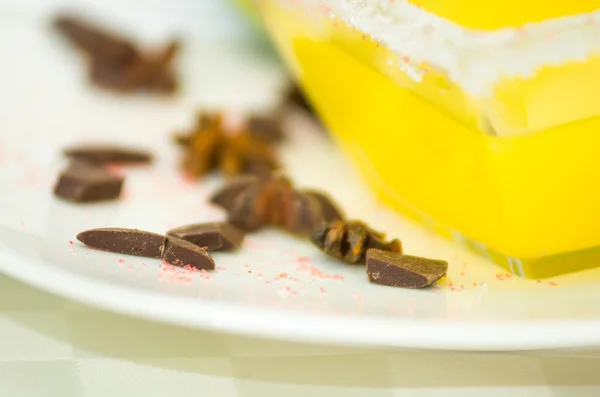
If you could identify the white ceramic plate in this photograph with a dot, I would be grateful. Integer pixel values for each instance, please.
(276, 286)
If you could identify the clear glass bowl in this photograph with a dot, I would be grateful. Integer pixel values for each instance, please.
(503, 161)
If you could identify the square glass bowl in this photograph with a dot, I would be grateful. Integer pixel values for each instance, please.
(490, 136)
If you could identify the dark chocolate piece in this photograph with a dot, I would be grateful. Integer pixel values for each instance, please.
(108, 154)
(214, 236)
(266, 127)
(96, 43)
(86, 183)
(329, 209)
(404, 271)
(225, 197)
(349, 241)
(124, 241)
(182, 253)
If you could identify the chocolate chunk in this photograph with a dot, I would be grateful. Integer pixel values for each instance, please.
(404, 271)
(225, 197)
(124, 241)
(329, 209)
(85, 183)
(266, 127)
(182, 253)
(220, 236)
(107, 154)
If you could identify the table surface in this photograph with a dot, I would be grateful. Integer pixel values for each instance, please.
(55, 348)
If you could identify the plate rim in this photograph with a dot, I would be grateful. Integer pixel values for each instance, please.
(300, 326)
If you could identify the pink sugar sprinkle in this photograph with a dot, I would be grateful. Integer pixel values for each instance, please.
(284, 291)
(114, 169)
(145, 265)
(221, 268)
(204, 275)
(313, 271)
(553, 284)
(322, 290)
(259, 275)
(71, 243)
(190, 268)
(283, 275)
(130, 268)
(121, 261)
(338, 277)
(356, 295)
(303, 259)
(538, 281)
(246, 265)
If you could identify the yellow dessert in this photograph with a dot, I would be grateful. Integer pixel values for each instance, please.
(506, 163)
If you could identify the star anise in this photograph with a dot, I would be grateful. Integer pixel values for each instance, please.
(349, 241)
(115, 62)
(255, 202)
(209, 147)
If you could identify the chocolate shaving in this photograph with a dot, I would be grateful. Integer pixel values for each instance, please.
(404, 271)
(83, 182)
(214, 236)
(108, 154)
(172, 250)
(182, 253)
(124, 241)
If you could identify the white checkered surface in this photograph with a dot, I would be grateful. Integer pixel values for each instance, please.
(55, 348)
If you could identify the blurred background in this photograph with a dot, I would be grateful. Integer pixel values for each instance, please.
(150, 19)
